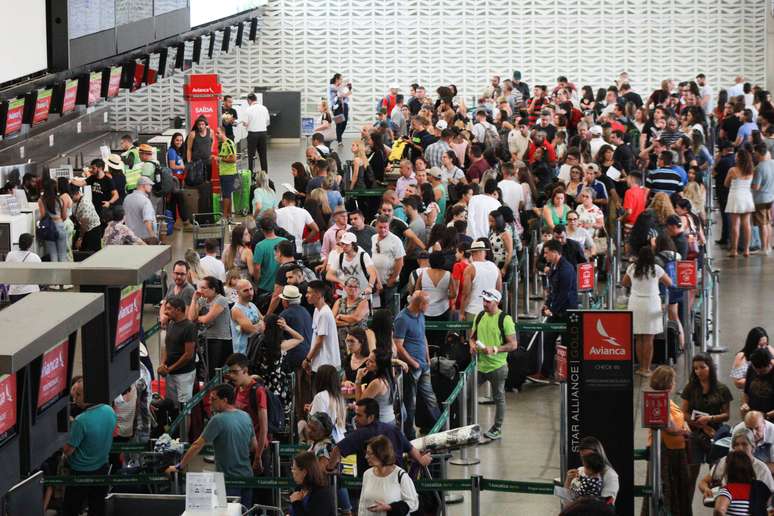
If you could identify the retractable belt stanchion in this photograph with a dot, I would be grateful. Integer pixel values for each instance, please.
(687, 317)
(475, 495)
(515, 291)
(527, 272)
(275, 455)
(655, 472)
(448, 496)
(611, 279)
(462, 402)
(705, 304)
(716, 347)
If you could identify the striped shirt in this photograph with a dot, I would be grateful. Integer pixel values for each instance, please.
(739, 495)
(664, 180)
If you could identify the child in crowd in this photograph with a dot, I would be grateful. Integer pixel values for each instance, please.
(588, 481)
(232, 276)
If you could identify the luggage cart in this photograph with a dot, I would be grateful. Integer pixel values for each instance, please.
(204, 228)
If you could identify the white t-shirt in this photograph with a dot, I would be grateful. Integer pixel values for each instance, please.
(293, 220)
(390, 249)
(351, 267)
(564, 173)
(22, 257)
(388, 490)
(323, 324)
(479, 208)
(213, 267)
(513, 195)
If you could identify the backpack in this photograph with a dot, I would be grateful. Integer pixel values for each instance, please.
(163, 180)
(45, 230)
(491, 137)
(362, 263)
(500, 323)
(275, 412)
(195, 173)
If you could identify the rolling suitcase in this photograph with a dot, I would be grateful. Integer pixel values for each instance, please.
(191, 199)
(205, 201)
(666, 352)
(241, 198)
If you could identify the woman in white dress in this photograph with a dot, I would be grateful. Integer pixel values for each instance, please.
(740, 204)
(643, 277)
(386, 487)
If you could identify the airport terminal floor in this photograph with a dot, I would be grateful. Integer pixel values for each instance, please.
(529, 449)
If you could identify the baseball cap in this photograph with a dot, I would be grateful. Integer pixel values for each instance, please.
(479, 245)
(144, 181)
(145, 148)
(674, 220)
(435, 172)
(491, 295)
(114, 161)
(348, 238)
(290, 293)
(596, 130)
(441, 124)
(394, 86)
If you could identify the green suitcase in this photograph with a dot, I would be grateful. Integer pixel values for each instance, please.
(241, 197)
(217, 206)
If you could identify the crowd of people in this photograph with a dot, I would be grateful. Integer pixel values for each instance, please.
(317, 303)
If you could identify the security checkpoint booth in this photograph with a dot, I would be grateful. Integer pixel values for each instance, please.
(36, 365)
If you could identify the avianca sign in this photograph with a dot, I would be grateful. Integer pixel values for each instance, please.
(607, 336)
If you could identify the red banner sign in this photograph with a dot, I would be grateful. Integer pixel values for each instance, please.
(115, 81)
(13, 120)
(42, 106)
(129, 314)
(561, 363)
(686, 274)
(655, 409)
(71, 92)
(202, 92)
(7, 403)
(585, 277)
(53, 373)
(95, 87)
(607, 336)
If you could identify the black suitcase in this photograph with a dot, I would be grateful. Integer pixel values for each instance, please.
(205, 203)
(666, 352)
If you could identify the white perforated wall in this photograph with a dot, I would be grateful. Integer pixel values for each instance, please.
(303, 42)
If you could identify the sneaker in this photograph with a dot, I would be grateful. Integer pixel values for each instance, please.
(493, 434)
(209, 459)
(539, 378)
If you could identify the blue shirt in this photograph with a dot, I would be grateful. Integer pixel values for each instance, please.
(411, 328)
(598, 186)
(174, 156)
(239, 337)
(746, 130)
(299, 319)
(682, 173)
(92, 437)
(563, 295)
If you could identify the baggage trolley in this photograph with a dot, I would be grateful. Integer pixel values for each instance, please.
(204, 229)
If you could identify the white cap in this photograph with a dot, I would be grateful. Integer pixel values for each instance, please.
(348, 238)
(441, 124)
(394, 86)
(491, 295)
(596, 130)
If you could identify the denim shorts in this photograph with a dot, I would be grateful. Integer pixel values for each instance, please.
(227, 185)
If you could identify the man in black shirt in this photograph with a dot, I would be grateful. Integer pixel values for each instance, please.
(759, 384)
(571, 249)
(415, 104)
(674, 228)
(629, 96)
(731, 123)
(229, 121)
(177, 359)
(103, 190)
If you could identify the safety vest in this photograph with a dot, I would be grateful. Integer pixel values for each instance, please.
(132, 174)
(227, 149)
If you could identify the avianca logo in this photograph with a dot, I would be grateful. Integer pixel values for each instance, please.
(606, 338)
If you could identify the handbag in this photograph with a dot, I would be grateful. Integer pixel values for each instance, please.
(45, 229)
(339, 119)
(329, 133)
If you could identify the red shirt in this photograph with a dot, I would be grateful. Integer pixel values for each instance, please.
(477, 169)
(635, 199)
(458, 272)
(548, 149)
(243, 403)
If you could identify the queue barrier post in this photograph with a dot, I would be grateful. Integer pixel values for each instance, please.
(563, 429)
(475, 495)
(618, 251)
(395, 304)
(515, 291)
(611, 279)
(527, 272)
(505, 298)
(716, 347)
(447, 496)
(687, 317)
(275, 455)
(535, 239)
(705, 301)
(655, 472)
(462, 402)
